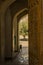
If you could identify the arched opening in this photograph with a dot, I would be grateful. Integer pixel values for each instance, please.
(23, 38)
(9, 35)
(23, 57)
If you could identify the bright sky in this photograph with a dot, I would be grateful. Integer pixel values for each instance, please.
(25, 18)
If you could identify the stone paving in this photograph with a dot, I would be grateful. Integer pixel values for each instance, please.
(20, 59)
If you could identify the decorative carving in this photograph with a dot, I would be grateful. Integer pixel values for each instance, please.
(33, 4)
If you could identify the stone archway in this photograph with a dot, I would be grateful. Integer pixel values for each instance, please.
(36, 46)
(8, 37)
(18, 16)
(18, 19)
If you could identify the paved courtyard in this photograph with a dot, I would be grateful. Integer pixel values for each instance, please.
(20, 59)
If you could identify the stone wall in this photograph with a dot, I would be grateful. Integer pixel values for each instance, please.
(3, 6)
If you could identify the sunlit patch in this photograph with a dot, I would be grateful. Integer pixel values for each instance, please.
(23, 57)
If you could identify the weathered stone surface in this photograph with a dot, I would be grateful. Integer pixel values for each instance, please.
(8, 36)
(35, 20)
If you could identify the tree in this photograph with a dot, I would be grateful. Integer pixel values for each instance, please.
(23, 28)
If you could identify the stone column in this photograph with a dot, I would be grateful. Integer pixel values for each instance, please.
(8, 35)
(41, 36)
(34, 31)
(0, 35)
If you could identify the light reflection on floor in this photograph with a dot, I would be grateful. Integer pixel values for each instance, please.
(22, 57)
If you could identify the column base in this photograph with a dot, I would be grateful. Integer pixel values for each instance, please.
(8, 58)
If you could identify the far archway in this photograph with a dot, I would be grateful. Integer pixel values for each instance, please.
(23, 37)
